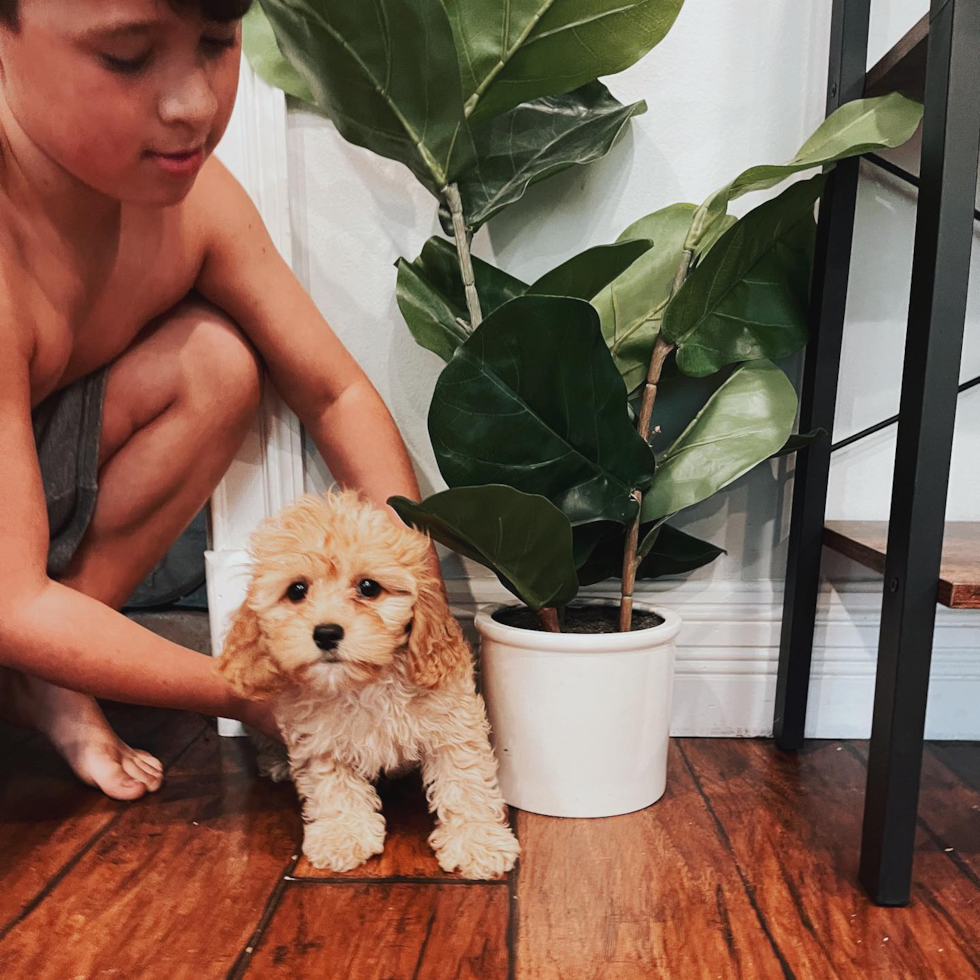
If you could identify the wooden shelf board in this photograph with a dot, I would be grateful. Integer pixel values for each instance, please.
(903, 68)
(959, 582)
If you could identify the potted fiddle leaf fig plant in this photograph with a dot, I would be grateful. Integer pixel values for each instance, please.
(564, 460)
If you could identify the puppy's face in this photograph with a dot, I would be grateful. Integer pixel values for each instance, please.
(334, 588)
(339, 594)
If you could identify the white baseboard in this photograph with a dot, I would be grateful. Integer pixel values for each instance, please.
(728, 650)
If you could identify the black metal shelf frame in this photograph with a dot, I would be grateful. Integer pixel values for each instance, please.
(937, 311)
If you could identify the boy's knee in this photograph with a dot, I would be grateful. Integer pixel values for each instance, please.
(222, 373)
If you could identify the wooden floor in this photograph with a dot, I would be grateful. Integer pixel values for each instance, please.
(745, 869)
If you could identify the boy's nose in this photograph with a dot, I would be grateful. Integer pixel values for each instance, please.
(327, 635)
(190, 100)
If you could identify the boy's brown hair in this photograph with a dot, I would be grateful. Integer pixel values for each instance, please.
(219, 10)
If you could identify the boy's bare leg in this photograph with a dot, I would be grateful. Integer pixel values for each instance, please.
(178, 404)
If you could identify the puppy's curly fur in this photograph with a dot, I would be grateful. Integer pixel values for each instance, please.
(384, 684)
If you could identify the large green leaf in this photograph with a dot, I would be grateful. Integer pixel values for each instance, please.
(673, 553)
(585, 274)
(435, 321)
(267, 61)
(631, 306)
(533, 400)
(440, 262)
(386, 73)
(746, 420)
(432, 299)
(537, 140)
(524, 539)
(748, 298)
(861, 126)
(511, 51)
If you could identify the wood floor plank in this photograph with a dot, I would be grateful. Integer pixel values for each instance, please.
(407, 853)
(963, 758)
(793, 822)
(949, 810)
(175, 887)
(47, 815)
(647, 895)
(949, 813)
(949, 818)
(385, 931)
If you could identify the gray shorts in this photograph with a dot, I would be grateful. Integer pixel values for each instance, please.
(67, 430)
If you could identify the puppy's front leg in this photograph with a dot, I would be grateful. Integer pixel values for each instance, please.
(341, 811)
(460, 774)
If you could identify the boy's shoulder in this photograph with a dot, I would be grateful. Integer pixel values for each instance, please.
(239, 257)
(220, 210)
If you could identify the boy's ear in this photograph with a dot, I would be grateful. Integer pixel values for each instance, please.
(436, 646)
(245, 661)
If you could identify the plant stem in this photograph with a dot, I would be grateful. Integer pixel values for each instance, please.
(548, 617)
(462, 236)
(661, 349)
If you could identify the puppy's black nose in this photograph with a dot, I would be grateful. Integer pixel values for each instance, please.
(327, 635)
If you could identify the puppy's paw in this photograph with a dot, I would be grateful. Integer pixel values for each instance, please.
(274, 765)
(271, 759)
(476, 850)
(343, 843)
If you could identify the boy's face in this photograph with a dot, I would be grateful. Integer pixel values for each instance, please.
(104, 87)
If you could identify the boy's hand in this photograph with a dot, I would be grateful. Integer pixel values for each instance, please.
(260, 716)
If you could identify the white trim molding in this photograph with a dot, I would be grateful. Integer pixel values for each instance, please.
(267, 473)
(728, 649)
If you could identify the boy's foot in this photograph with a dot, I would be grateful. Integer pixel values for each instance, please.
(76, 727)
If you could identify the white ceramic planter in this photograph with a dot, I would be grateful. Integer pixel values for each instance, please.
(581, 722)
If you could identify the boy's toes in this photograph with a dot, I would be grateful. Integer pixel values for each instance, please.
(147, 760)
(118, 770)
(110, 776)
(142, 771)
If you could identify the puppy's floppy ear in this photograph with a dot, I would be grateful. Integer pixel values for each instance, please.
(244, 661)
(436, 646)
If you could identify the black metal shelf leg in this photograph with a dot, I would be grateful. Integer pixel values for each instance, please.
(848, 60)
(937, 310)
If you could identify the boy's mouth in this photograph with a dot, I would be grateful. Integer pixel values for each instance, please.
(179, 164)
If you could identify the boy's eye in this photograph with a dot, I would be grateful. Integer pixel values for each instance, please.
(126, 66)
(368, 588)
(297, 591)
(219, 44)
(130, 66)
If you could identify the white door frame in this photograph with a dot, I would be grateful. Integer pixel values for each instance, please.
(267, 472)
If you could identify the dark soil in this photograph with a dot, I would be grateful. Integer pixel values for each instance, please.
(577, 619)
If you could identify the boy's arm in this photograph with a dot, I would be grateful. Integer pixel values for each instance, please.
(54, 632)
(318, 379)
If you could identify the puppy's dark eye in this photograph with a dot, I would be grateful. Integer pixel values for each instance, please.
(368, 588)
(297, 591)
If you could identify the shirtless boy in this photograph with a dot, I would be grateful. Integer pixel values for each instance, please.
(142, 303)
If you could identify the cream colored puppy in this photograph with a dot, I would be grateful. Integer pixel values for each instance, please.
(345, 627)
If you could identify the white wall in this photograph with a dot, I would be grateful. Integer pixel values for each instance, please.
(731, 86)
